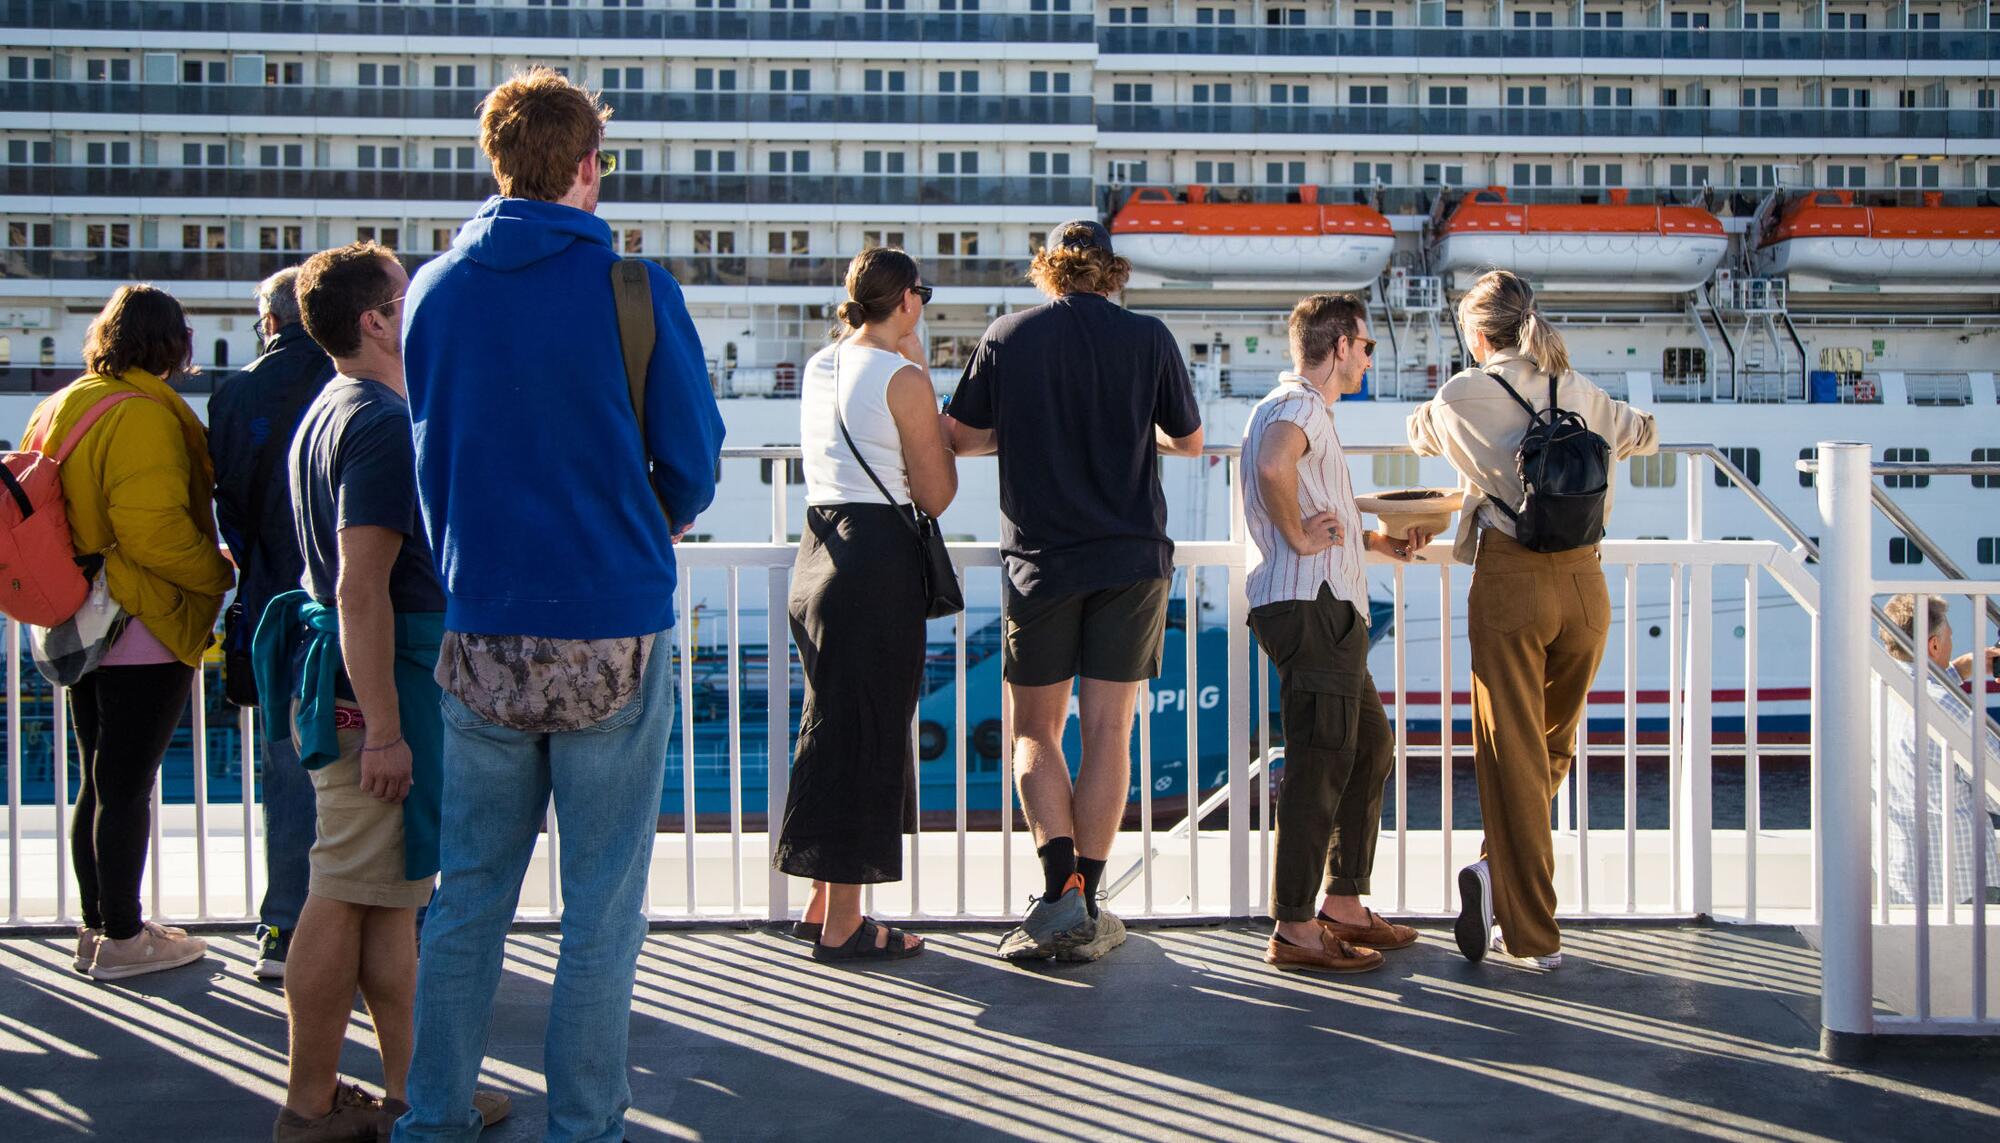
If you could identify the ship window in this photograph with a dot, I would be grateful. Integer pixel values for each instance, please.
(1749, 460)
(1446, 174)
(1986, 456)
(48, 351)
(1902, 551)
(1291, 173)
(1534, 19)
(1917, 175)
(1395, 471)
(873, 238)
(1447, 95)
(1906, 455)
(1362, 94)
(1989, 550)
(1847, 21)
(1374, 18)
(795, 471)
(1656, 471)
(1846, 177)
(1604, 19)
(1534, 175)
(1208, 171)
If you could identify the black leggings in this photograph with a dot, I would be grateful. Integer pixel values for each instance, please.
(124, 716)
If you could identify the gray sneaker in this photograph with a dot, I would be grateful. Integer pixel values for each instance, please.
(1051, 926)
(1110, 934)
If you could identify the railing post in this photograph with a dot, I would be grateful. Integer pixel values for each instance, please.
(1697, 788)
(1239, 690)
(1840, 729)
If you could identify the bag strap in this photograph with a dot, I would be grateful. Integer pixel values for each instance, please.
(1533, 415)
(632, 290)
(841, 421)
(632, 294)
(38, 433)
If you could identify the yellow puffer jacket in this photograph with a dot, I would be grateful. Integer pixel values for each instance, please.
(140, 490)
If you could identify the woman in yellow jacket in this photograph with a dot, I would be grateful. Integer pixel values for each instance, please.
(138, 490)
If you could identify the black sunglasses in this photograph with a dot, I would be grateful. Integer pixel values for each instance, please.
(1367, 345)
(923, 293)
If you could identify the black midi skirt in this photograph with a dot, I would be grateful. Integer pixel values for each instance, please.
(857, 614)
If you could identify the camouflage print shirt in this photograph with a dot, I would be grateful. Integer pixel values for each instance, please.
(540, 685)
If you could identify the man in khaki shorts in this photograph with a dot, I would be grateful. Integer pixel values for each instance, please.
(346, 663)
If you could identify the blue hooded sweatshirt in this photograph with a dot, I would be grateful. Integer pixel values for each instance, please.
(529, 466)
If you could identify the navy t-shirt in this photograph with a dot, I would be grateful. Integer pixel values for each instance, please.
(1073, 390)
(354, 464)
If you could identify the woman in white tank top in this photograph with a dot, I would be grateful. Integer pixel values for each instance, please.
(857, 604)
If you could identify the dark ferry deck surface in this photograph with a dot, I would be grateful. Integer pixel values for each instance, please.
(1647, 1031)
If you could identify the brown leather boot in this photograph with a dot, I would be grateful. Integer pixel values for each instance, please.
(1332, 955)
(1376, 934)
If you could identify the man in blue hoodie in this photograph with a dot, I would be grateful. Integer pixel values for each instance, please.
(553, 516)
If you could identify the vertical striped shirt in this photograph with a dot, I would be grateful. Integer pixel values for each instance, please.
(1276, 571)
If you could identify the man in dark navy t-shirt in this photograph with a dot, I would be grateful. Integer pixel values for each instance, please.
(1079, 397)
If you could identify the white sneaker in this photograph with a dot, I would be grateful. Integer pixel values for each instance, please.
(1110, 934)
(86, 947)
(1475, 912)
(1549, 963)
(157, 948)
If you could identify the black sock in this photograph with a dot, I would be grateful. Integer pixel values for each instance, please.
(1058, 863)
(1092, 869)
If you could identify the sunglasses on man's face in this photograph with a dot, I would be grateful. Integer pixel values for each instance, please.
(923, 293)
(1367, 345)
(607, 162)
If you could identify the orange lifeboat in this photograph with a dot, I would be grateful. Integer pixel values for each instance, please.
(1584, 246)
(1331, 247)
(1824, 235)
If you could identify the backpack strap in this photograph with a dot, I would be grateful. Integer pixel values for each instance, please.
(632, 293)
(38, 433)
(632, 290)
(1533, 415)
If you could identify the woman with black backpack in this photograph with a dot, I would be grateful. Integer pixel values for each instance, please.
(1534, 443)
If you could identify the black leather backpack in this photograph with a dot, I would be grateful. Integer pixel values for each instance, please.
(1565, 472)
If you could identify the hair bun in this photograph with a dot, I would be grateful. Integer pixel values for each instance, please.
(853, 314)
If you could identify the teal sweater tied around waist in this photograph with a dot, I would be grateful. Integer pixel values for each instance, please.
(296, 653)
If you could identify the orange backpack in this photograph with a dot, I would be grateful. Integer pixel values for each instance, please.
(41, 581)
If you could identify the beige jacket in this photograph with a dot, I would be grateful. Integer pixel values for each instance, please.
(1475, 425)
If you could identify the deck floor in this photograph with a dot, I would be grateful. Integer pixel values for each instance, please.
(1182, 1034)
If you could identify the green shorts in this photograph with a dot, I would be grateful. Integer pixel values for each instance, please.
(1112, 634)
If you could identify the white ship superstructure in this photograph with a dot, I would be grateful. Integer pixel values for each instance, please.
(1771, 223)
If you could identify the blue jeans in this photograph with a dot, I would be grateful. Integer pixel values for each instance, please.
(497, 784)
(289, 826)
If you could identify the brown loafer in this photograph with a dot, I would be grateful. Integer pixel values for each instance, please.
(1376, 934)
(1332, 955)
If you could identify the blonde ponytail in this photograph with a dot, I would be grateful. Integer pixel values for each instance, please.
(1501, 305)
(1541, 344)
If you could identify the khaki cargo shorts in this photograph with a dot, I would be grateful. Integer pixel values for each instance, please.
(357, 855)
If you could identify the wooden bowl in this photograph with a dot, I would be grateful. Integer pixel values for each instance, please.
(1413, 509)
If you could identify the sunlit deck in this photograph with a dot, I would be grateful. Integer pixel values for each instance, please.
(1183, 1033)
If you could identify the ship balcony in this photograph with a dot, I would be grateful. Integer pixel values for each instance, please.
(1791, 45)
(443, 20)
(474, 186)
(1882, 125)
(249, 266)
(459, 105)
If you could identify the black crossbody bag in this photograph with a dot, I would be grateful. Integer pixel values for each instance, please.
(942, 594)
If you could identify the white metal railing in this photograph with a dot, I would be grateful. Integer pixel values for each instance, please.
(1857, 679)
(967, 866)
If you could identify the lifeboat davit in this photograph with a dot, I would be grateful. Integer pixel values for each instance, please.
(1331, 247)
(1581, 246)
(1824, 235)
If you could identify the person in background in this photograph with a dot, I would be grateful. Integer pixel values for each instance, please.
(1308, 594)
(346, 666)
(858, 603)
(138, 489)
(553, 509)
(1080, 397)
(1971, 830)
(1537, 621)
(251, 419)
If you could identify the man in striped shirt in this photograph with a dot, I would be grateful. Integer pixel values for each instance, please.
(1309, 609)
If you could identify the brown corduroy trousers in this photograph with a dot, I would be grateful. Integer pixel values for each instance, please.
(1537, 623)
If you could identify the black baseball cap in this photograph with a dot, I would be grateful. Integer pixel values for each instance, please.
(1082, 234)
